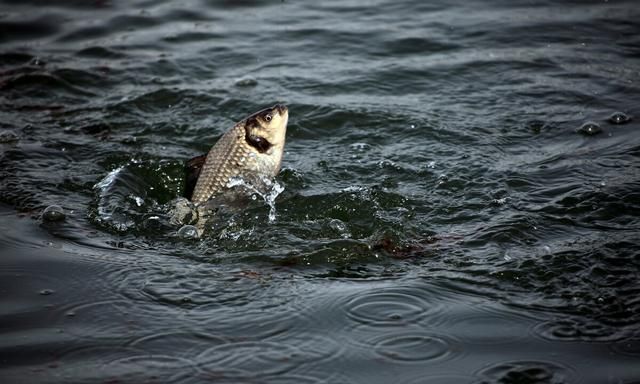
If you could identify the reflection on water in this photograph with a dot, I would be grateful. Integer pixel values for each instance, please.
(458, 200)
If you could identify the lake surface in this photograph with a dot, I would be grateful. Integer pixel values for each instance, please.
(461, 195)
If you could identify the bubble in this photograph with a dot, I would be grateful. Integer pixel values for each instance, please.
(589, 128)
(188, 232)
(53, 213)
(619, 118)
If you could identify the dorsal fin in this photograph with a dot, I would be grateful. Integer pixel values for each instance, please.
(192, 168)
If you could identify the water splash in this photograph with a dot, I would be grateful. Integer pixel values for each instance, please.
(107, 208)
(108, 180)
(271, 191)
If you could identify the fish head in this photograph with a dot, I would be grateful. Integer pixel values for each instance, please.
(265, 131)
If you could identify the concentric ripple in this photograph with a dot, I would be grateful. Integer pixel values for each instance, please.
(153, 365)
(412, 347)
(246, 359)
(184, 343)
(441, 379)
(575, 328)
(441, 220)
(485, 328)
(629, 347)
(112, 319)
(533, 372)
(389, 306)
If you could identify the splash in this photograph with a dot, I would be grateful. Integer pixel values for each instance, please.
(108, 180)
(271, 191)
(108, 208)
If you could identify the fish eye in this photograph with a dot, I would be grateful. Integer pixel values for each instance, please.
(268, 117)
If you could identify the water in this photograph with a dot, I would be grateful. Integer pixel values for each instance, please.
(444, 217)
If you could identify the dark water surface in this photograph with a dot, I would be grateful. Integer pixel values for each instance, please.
(446, 216)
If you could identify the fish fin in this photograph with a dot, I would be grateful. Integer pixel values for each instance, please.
(192, 168)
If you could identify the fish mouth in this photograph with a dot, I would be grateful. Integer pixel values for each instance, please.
(281, 108)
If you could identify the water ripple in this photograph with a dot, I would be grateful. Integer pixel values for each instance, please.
(476, 327)
(428, 141)
(390, 306)
(245, 359)
(412, 347)
(97, 320)
(629, 346)
(576, 328)
(542, 372)
(441, 379)
(184, 343)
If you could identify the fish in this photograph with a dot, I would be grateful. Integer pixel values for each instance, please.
(250, 151)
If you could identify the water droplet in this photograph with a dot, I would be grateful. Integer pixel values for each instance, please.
(53, 213)
(188, 232)
(269, 196)
(500, 201)
(619, 118)
(38, 62)
(129, 140)
(589, 128)
(270, 199)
